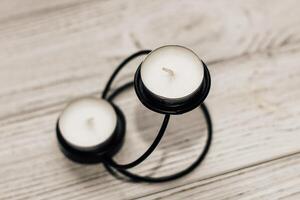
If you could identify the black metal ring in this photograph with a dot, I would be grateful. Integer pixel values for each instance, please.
(138, 178)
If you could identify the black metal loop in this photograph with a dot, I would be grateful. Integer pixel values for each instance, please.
(164, 125)
(112, 167)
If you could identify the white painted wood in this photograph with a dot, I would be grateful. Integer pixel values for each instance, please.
(55, 51)
(16, 9)
(278, 179)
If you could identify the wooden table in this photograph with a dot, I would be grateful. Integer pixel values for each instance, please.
(54, 51)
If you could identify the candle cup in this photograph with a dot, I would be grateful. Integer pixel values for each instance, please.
(172, 106)
(99, 152)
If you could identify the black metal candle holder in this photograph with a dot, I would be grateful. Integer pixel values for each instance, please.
(104, 153)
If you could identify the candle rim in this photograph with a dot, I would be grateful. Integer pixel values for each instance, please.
(173, 98)
(87, 146)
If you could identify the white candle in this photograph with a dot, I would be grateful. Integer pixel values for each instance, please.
(172, 72)
(87, 123)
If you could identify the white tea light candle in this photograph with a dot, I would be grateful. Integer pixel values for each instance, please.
(172, 80)
(172, 72)
(87, 123)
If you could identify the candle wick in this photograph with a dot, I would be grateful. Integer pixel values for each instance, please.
(169, 71)
(90, 122)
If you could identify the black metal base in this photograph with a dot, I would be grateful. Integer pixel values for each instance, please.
(156, 104)
(114, 167)
(109, 149)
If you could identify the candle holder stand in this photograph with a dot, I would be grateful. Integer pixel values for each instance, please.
(105, 153)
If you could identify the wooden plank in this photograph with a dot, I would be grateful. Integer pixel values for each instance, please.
(13, 10)
(244, 113)
(278, 179)
(56, 45)
(50, 58)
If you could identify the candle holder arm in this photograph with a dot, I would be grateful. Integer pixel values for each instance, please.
(118, 69)
(140, 178)
(156, 141)
(162, 130)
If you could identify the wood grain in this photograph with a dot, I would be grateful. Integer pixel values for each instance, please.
(279, 179)
(55, 51)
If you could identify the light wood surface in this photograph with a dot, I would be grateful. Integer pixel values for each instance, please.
(54, 51)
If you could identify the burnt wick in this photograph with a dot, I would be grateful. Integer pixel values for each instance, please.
(169, 71)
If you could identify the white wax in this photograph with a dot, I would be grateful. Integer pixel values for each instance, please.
(172, 72)
(87, 122)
